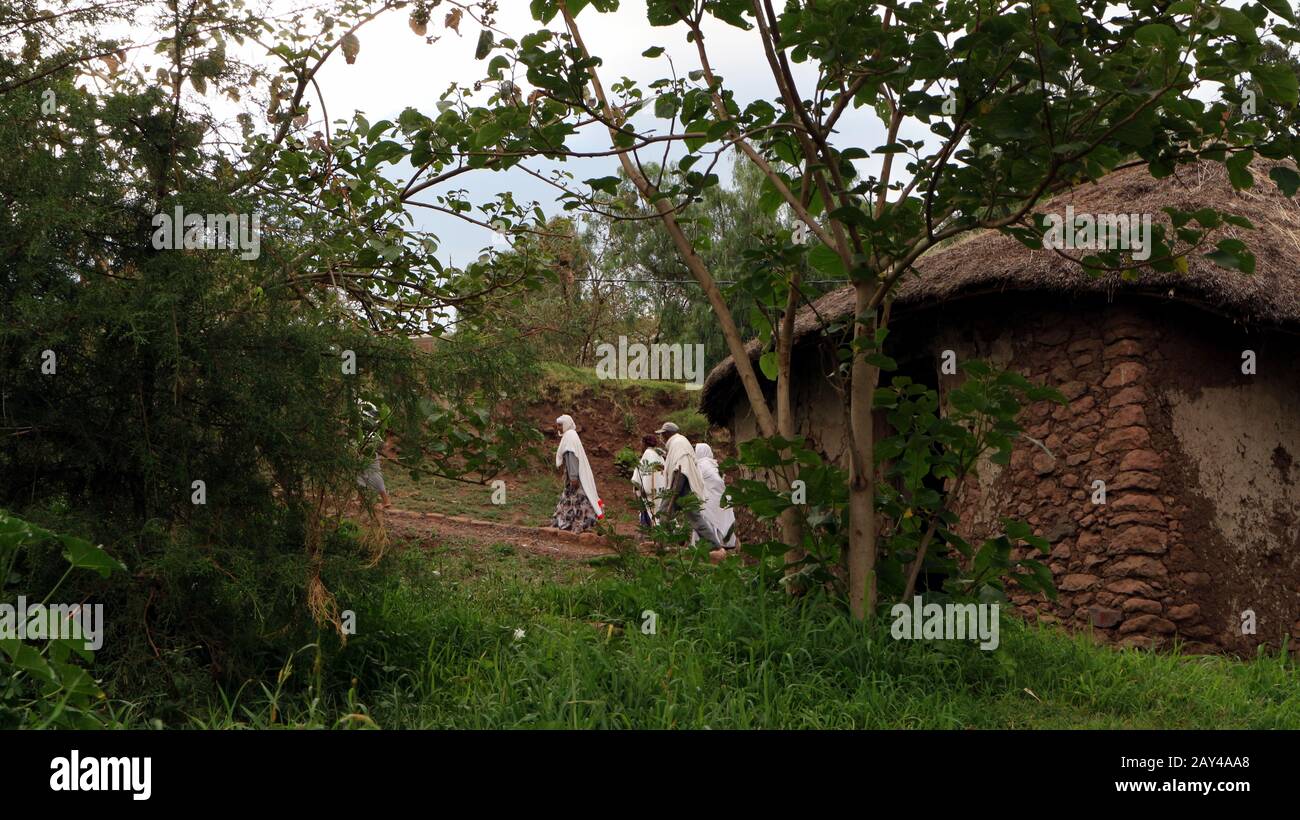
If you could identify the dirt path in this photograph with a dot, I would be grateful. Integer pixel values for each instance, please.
(537, 540)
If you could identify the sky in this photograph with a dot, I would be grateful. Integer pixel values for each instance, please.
(396, 68)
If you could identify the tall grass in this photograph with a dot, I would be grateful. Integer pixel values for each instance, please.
(472, 638)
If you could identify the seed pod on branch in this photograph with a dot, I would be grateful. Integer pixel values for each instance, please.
(350, 45)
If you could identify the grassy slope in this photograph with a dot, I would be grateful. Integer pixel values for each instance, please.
(437, 648)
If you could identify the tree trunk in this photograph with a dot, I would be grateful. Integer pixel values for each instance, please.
(862, 508)
(791, 520)
(685, 249)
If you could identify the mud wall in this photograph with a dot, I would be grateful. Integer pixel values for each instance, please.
(1199, 520)
(1201, 517)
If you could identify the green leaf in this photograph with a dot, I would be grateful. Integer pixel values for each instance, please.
(1239, 170)
(1232, 254)
(85, 555)
(767, 364)
(1287, 180)
(881, 361)
(1237, 24)
(1277, 83)
(666, 106)
(1068, 9)
(826, 261)
(25, 657)
(1282, 8)
(608, 185)
(1157, 34)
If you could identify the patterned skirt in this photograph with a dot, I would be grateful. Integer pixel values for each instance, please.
(372, 478)
(574, 512)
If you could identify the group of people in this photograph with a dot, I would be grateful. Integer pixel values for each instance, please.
(671, 471)
(666, 476)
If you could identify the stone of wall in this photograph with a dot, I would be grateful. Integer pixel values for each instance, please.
(1107, 559)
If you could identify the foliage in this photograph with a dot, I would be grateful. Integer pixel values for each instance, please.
(981, 111)
(49, 686)
(444, 651)
(924, 466)
(627, 460)
(202, 407)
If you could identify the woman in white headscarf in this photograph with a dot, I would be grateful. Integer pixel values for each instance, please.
(649, 479)
(723, 519)
(579, 507)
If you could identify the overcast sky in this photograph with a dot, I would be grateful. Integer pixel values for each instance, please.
(396, 68)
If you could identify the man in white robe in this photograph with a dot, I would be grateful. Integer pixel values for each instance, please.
(722, 519)
(684, 479)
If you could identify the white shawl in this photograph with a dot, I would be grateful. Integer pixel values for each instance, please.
(681, 459)
(722, 519)
(570, 443)
(655, 480)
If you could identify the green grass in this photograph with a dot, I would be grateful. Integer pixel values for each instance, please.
(530, 501)
(563, 382)
(691, 423)
(474, 637)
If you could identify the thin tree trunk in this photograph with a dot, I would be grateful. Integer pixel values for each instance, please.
(862, 508)
(791, 520)
(735, 344)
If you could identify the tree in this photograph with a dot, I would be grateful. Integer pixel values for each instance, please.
(202, 401)
(986, 108)
(731, 229)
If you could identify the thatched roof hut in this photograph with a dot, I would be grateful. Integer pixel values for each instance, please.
(1184, 402)
(990, 263)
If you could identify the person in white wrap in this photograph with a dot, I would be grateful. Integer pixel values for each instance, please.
(649, 479)
(684, 480)
(722, 519)
(579, 507)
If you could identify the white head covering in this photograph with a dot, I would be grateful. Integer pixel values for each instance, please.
(722, 519)
(570, 443)
(702, 452)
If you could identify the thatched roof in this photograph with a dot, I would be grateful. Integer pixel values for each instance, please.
(990, 262)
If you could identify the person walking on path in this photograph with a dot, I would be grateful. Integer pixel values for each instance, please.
(648, 479)
(579, 507)
(684, 481)
(722, 519)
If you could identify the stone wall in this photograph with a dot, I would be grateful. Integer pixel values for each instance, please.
(1158, 410)
(1201, 519)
